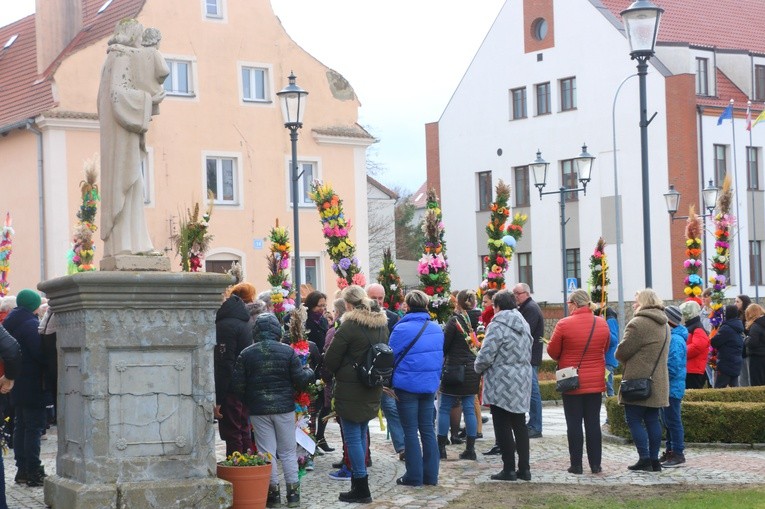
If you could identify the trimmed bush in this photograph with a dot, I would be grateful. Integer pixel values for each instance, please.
(729, 394)
(548, 366)
(548, 392)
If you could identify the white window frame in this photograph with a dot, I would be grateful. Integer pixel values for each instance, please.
(313, 255)
(222, 12)
(304, 201)
(268, 85)
(228, 253)
(191, 75)
(238, 201)
(147, 172)
(709, 56)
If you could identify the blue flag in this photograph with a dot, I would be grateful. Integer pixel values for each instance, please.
(727, 113)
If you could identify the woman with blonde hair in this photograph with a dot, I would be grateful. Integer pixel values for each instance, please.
(643, 352)
(755, 344)
(581, 340)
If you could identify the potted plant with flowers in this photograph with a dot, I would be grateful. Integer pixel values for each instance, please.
(249, 473)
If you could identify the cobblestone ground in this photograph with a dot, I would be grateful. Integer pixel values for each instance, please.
(549, 461)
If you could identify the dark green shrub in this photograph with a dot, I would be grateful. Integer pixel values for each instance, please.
(548, 366)
(547, 390)
(730, 394)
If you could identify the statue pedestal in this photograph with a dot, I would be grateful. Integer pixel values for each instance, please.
(136, 391)
(138, 263)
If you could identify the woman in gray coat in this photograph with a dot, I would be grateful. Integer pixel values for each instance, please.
(505, 362)
(646, 342)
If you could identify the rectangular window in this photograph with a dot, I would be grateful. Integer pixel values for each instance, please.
(543, 98)
(222, 180)
(569, 178)
(518, 96)
(307, 174)
(524, 270)
(213, 8)
(573, 268)
(759, 82)
(218, 266)
(702, 76)
(755, 262)
(254, 84)
(568, 94)
(522, 198)
(179, 80)
(753, 167)
(484, 190)
(309, 271)
(721, 163)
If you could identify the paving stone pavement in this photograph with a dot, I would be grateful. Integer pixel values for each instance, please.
(549, 461)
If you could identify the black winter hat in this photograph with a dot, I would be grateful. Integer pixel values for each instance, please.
(267, 326)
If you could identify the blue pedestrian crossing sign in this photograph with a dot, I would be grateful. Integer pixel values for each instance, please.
(571, 284)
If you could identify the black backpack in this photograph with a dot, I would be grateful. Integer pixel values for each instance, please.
(376, 370)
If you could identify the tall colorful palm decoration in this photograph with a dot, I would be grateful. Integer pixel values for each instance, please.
(723, 222)
(80, 255)
(391, 282)
(6, 247)
(599, 280)
(694, 283)
(279, 271)
(433, 266)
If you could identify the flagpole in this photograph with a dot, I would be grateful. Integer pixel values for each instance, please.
(758, 259)
(735, 183)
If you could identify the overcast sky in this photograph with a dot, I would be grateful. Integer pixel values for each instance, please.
(404, 59)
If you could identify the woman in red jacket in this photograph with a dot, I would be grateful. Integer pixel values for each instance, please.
(697, 345)
(568, 345)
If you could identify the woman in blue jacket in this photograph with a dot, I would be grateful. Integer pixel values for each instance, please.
(418, 349)
(674, 454)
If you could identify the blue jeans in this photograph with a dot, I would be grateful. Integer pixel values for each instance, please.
(468, 410)
(535, 407)
(645, 429)
(610, 380)
(390, 410)
(416, 411)
(670, 416)
(27, 432)
(355, 440)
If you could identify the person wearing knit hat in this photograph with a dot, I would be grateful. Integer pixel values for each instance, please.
(28, 395)
(690, 309)
(697, 346)
(29, 300)
(674, 454)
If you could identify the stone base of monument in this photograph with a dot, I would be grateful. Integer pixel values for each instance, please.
(136, 391)
(139, 263)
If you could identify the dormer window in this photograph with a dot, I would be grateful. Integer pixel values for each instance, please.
(702, 76)
(11, 41)
(103, 7)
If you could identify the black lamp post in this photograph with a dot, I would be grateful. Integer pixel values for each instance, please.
(293, 100)
(709, 197)
(641, 22)
(583, 164)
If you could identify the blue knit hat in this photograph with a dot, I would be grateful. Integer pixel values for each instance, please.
(29, 300)
(266, 327)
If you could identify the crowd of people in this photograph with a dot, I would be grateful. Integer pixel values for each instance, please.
(442, 376)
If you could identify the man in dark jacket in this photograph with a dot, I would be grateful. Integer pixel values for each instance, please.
(10, 354)
(265, 378)
(533, 316)
(233, 334)
(27, 394)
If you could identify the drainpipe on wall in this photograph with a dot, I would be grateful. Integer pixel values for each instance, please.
(700, 113)
(41, 196)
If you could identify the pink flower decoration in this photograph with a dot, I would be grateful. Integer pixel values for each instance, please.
(359, 279)
(341, 283)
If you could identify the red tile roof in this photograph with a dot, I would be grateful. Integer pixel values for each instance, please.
(727, 90)
(24, 93)
(725, 24)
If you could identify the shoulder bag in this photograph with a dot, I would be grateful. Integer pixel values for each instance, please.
(639, 389)
(453, 374)
(567, 379)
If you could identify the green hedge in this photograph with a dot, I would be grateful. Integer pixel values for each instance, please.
(733, 415)
(547, 389)
(548, 366)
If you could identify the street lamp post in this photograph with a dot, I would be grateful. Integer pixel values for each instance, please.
(641, 22)
(293, 99)
(708, 196)
(539, 167)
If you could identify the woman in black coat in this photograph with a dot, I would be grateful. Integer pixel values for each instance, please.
(317, 325)
(729, 342)
(459, 358)
(755, 344)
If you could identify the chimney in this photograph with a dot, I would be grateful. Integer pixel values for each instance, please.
(57, 22)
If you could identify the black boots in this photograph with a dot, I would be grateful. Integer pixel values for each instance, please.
(274, 497)
(359, 491)
(469, 453)
(442, 442)
(643, 464)
(293, 494)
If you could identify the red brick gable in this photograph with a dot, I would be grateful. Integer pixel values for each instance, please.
(724, 24)
(24, 93)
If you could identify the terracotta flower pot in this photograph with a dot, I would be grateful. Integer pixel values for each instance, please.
(250, 485)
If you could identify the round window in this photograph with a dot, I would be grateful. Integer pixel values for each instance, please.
(539, 29)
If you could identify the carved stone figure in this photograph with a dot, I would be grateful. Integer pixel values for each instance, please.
(130, 88)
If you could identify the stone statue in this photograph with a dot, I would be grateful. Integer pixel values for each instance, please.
(129, 93)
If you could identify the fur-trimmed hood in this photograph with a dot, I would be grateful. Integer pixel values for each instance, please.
(366, 317)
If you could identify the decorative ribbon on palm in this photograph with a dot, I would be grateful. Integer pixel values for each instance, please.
(391, 282)
(336, 228)
(599, 279)
(433, 266)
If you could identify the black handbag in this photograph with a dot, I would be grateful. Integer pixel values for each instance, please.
(639, 389)
(567, 379)
(453, 374)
